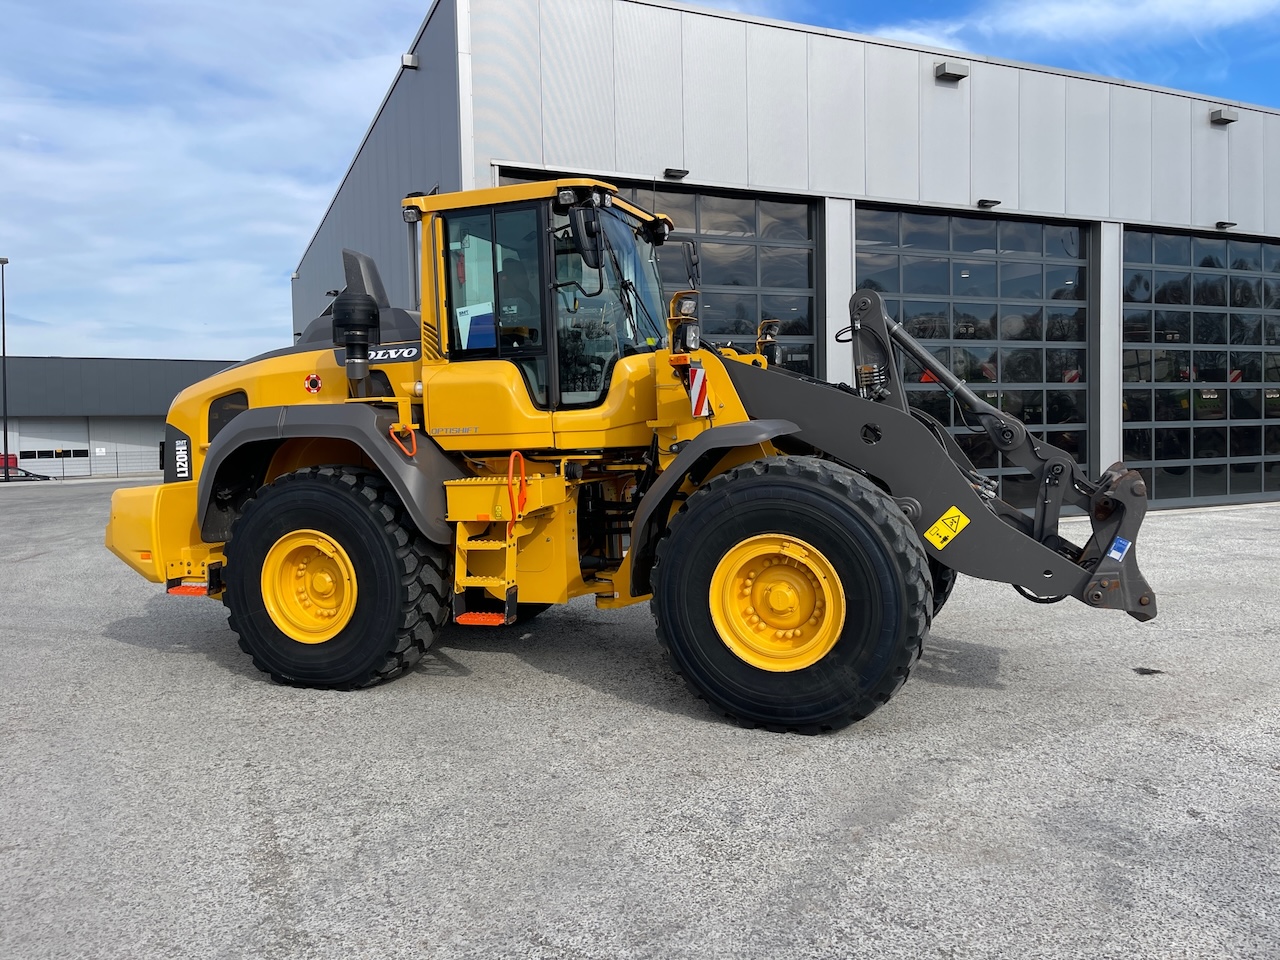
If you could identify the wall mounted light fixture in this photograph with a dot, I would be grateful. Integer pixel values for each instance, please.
(988, 204)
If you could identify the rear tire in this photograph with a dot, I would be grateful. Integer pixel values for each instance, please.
(329, 583)
(944, 581)
(792, 594)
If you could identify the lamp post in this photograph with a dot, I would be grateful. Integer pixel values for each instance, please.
(4, 368)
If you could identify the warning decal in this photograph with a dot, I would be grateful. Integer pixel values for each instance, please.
(947, 528)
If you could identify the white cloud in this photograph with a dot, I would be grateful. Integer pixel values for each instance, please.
(165, 164)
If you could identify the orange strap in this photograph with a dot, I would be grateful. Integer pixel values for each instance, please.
(517, 503)
(412, 449)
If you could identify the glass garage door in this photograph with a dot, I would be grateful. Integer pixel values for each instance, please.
(1003, 302)
(1201, 366)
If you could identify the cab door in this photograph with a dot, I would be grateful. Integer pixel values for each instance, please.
(496, 391)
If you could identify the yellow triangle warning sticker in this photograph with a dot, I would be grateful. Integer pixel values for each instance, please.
(947, 528)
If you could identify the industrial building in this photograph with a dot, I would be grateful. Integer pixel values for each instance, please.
(81, 417)
(1102, 257)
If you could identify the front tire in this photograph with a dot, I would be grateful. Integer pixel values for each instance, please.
(328, 582)
(791, 593)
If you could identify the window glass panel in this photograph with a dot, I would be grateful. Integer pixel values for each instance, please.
(1246, 291)
(1271, 257)
(727, 216)
(1171, 483)
(973, 278)
(1209, 365)
(877, 271)
(1021, 236)
(1271, 294)
(1244, 477)
(798, 357)
(1244, 255)
(975, 321)
(1210, 442)
(1135, 366)
(1022, 366)
(1209, 252)
(876, 227)
(1210, 327)
(925, 275)
(1064, 366)
(1172, 405)
(1246, 367)
(1271, 331)
(1209, 481)
(784, 221)
(471, 292)
(1074, 442)
(1271, 366)
(1022, 281)
(1246, 404)
(794, 312)
(1067, 406)
(1271, 402)
(1137, 445)
(914, 373)
(1172, 249)
(786, 267)
(1026, 405)
(1209, 404)
(1021, 323)
(730, 314)
(678, 206)
(1173, 326)
(1172, 287)
(728, 264)
(1137, 246)
(926, 320)
(1137, 326)
(1063, 241)
(976, 365)
(1246, 328)
(1067, 324)
(671, 268)
(1064, 283)
(971, 235)
(923, 230)
(1137, 286)
(1173, 443)
(1136, 405)
(1210, 289)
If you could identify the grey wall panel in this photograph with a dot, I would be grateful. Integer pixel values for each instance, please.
(1130, 154)
(1170, 159)
(837, 116)
(92, 386)
(715, 108)
(944, 137)
(1088, 148)
(893, 123)
(649, 119)
(1210, 197)
(777, 118)
(1042, 142)
(1245, 197)
(1271, 190)
(994, 144)
(506, 83)
(577, 84)
(412, 145)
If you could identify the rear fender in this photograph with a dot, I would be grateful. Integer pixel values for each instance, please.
(243, 451)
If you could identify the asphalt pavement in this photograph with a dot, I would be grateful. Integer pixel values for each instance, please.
(1052, 781)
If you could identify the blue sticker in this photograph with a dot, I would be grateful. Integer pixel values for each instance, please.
(1119, 548)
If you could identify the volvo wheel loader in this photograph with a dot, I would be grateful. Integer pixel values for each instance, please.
(542, 425)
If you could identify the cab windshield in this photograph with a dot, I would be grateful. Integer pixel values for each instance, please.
(603, 315)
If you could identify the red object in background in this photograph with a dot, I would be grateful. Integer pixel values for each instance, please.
(13, 461)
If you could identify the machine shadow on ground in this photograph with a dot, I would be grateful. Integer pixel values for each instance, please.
(959, 663)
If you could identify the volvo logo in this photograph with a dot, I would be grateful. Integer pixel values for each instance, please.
(385, 354)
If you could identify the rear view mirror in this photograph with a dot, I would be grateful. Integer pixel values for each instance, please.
(584, 224)
(691, 264)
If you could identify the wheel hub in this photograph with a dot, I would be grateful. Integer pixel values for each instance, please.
(777, 603)
(308, 586)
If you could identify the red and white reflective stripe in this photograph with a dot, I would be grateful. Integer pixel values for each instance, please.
(1235, 376)
(1070, 376)
(699, 401)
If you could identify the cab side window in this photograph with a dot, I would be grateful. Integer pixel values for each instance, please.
(495, 296)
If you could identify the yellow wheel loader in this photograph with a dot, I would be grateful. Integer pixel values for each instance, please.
(544, 425)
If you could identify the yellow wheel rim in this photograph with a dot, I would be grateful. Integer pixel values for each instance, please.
(309, 586)
(777, 603)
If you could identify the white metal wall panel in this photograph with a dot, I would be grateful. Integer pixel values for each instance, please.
(649, 118)
(839, 268)
(893, 123)
(837, 116)
(506, 84)
(777, 119)
(577, 84)
(1210, 197)
(715, 105)
(944, 136)
(1170, 158)
(1088, 148)
(1245, 140)
(994, 146)
(1130, 154)
(1271, 189)
(1110, 407)
(1042, 142)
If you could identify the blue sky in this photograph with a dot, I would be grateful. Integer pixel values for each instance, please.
(163, 163)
